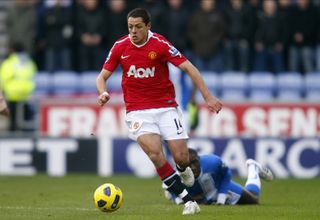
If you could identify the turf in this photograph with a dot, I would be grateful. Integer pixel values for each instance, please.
(70, 197)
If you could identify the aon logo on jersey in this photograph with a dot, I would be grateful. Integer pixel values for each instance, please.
(141, 72)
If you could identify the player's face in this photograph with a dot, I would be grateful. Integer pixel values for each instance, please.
(138, 30)
(195, 166)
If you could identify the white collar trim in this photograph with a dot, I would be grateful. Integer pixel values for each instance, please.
(150, 34)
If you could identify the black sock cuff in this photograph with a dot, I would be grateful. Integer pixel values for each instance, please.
(180, 169)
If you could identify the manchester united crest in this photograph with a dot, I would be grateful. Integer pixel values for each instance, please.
(152, 55)
(135, 125)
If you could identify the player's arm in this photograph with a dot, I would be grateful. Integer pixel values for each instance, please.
(214, 104)
(225, 184)
(213, 164)
(101, 86)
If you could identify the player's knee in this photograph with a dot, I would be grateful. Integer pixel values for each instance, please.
(157, 158)
(248, 198)
(182, 159)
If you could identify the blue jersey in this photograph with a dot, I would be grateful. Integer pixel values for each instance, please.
(215, 178)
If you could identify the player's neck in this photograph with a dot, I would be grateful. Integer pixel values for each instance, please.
(145, 40)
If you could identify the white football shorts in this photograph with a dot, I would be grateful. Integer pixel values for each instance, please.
(167, 122)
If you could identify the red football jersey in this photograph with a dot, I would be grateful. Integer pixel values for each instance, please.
(145, 76)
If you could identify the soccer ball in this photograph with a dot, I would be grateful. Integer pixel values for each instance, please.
(108, 197)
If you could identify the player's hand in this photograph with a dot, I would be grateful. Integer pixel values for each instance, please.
(103, 98)
(5, 112)
(214, 104)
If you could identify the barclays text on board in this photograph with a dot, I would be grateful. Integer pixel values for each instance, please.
(286, 157)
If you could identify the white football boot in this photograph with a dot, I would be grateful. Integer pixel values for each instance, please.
(264, 172)
(191, 208)
(187, 177)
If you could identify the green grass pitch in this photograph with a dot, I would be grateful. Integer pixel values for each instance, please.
(42, 197)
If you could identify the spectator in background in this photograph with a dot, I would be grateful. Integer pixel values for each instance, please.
(21, 24)
(156, 8)
(175, 20)
(268, 39)
(206, 32)
(16, 77)
(191, 5)
(284, 10)
(237, 44)
(317, 55)
(91, 28)
(254, 6)
(302, 38)
(58, 33)
(117, 22)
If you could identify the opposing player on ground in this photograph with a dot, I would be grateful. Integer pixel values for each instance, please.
(214, 184)
(152, 113)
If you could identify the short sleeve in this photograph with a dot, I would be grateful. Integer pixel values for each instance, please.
(172, 54)
(112, 60)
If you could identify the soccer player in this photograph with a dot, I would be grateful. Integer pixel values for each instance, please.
(214, 185)
(152, 113)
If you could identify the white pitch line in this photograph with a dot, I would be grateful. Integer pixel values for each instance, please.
(44, 208)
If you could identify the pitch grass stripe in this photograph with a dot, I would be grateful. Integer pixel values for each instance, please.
(45, 208)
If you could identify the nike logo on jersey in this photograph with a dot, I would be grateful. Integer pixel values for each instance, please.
(178, 133)
(124, 57)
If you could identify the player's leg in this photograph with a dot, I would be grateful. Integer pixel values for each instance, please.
(248, 198)
(180, 154)
(253, 183)
(240, 195)
(252, 189)
(151, 145)
(251, 192)
(170, 196)
(263, 171)
(173, 129)
(143, 128)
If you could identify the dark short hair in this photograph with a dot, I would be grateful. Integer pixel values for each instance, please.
(140, 13)
(193, 155)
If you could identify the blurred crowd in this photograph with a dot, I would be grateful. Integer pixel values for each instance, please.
(275, 36)
(217, 35)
